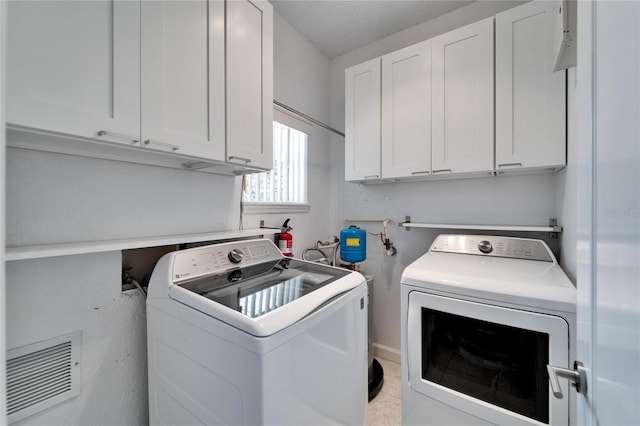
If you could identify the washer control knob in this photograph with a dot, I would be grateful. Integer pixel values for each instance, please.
(235, 256)
(485, 246)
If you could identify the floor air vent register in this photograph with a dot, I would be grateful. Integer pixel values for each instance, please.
(42, 374)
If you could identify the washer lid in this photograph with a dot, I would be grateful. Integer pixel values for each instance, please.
(528, 283)
(273, 296)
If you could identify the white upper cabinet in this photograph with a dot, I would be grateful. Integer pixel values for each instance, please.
(182, 76)
(191, 78)
(530, 97)
(249, 97)
(406, 112)
(462, 100)
(362, 121)
(73, 67)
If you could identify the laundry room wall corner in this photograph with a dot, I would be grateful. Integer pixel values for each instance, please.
(301, 81)
(566, 184)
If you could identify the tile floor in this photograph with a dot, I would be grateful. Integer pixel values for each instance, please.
(385, 409)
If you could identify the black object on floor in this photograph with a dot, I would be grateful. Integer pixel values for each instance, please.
(376, 379)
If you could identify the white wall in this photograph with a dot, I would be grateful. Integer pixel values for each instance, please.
(56, 296)
(516, 200)
(55, 198)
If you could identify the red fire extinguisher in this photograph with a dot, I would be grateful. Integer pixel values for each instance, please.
(285, 239)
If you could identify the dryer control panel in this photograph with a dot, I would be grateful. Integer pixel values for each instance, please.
(511, 247)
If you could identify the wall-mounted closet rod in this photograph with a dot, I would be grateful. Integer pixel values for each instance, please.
(306, 117)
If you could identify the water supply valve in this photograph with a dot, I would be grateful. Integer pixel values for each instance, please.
(388, 245)
(384, 237)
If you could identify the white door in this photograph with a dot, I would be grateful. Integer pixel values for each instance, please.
(530, 97)
(462, 99)
(250, 83)
(406, 111)
(183, 77)
(362, 121)
(74, 67)
(608, 205)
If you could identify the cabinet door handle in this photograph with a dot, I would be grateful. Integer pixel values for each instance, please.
(372, 176)
(103, 133)
(424, 172)
(159, 144)
(509, 165)
(442, 171)
(245, 160)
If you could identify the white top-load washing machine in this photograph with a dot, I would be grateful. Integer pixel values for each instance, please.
(238, 334)
(482, 317)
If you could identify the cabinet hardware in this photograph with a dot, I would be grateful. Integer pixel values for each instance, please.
(149, 142)
(371, 176)
(246, 160)
(102, 133)
(424, 172)
(510, 165)
(577, 376)
(442, 171)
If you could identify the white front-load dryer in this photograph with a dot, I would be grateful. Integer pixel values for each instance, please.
(240, 335)
(482, 317)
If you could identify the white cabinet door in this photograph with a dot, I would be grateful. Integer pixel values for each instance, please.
(406, 112)
(462, 95)
(182, 63)
(530, 97)
(362, 121)
(73, 67)
(250, 83)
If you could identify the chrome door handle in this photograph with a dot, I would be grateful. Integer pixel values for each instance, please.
(372, 176)
(577, 376)
(509, 165)
(150, 142)
(424, 172)
(103, 133)
(442, 171)
(246, 160)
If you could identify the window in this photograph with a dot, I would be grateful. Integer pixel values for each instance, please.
(284, 187)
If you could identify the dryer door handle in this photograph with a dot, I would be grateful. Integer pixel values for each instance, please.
(577, 376)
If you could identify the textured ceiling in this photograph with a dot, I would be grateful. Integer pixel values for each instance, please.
(339, 26)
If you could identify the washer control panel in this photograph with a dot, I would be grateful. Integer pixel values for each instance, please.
(217, 258)
(515, 248)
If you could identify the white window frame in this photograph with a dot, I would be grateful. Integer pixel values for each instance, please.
(256, 207)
